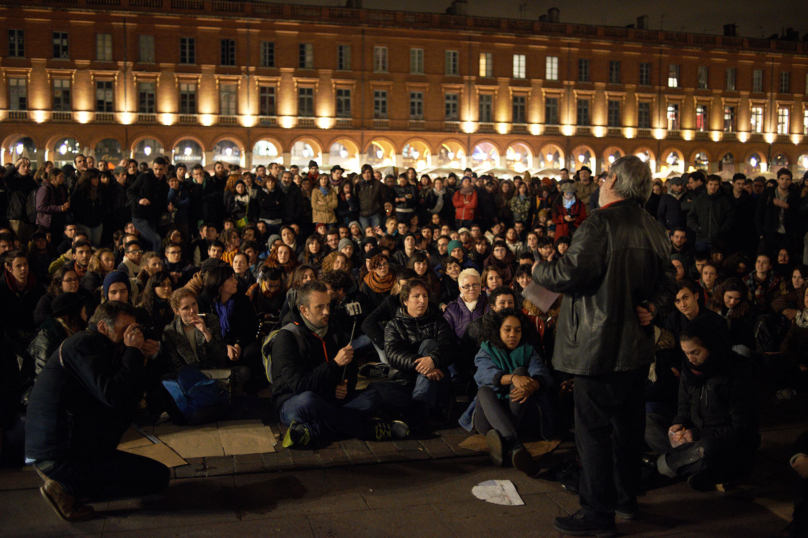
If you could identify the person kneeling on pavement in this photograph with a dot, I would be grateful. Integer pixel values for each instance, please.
(314, 379)
(81, 405)
(418, 344)
(513, 383)
(714, 436)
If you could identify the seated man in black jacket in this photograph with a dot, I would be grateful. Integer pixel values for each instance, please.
(419, 344)
(80, 407)
(714, 436)
(314, 381)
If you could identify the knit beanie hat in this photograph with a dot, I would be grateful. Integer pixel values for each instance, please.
(112, 278)
(453, 245)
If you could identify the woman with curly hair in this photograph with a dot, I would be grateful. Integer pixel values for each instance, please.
(731, 301)
(337, 261)
(282, 257)
(512, 390)
(313, 252)
(101, 264)
(155, 300)
(379, 280)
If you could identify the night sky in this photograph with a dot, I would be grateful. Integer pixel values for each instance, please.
(755, 18)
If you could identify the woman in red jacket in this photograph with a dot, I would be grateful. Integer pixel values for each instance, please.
(465, 202)
(569, 212)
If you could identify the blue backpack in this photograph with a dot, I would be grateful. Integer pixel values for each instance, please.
(199, 400)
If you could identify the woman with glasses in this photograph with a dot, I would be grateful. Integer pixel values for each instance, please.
(65, 280)
(469, 306)
(379, 280)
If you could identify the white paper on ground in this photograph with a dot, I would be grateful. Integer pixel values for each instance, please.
(498, 492)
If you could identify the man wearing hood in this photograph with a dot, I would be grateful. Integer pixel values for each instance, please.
(669, 212)
(714, 436)
(712, 215)
(270, 201)
(19, 294)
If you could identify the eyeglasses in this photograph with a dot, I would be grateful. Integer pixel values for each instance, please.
(382, 265)
(469, 287)
(173, 253)
(135, 252)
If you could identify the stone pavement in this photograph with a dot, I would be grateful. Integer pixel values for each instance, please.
(412, 488)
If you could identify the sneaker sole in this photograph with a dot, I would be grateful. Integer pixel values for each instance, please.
(495, 443)
(628, 516)
(59, 513)
(598, 534)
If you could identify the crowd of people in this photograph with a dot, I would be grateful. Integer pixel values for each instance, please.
(294, 282)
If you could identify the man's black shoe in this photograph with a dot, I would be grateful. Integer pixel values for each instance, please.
(523, 461)
(494, 441)
(627, 512)
(703, 481)
(579, 524)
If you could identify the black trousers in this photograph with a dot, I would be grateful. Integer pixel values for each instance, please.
(609, 431)
(501, 415)
(111, 475)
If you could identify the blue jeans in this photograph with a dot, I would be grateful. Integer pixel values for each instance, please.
(93, 234)
(323, 417)
(147, 232)
(373, 220)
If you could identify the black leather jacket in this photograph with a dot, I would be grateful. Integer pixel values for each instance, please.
(619, 257)
(404, 334)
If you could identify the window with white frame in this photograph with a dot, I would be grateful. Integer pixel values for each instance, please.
(673, 76)
(61, 95)
(486, 108)
(731, 72)
(187, 50)
(266, 100)
(785, 82)
(228, 52)
(103, 47)
(343, 57)
(551, 111)
(486, 64)
(452, 107)
(416, 105)
(343, 103)
(583, 69)
(17, 94)
(380, 59)
(146, 97)
(582, 111)
(703, 77)
(416, 61)
(452, 62)
(673, 117)
(702, 118)
(782, 120)
(306, 56)
(613, 114)
(379, 104)
(145, 45)
(267, 54)
(730, 119)
(805, 122)
(644, 115)
(615, 72)
(61, 49)
(228, 99)
(16, 43)
(519, 109)
(104, 93)
(645, 73)
(757, 80)
(187, 98)
(551, 68)
(305, 102)
(519, 66)
(756, 119)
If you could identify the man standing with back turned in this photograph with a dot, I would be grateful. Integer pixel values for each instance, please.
(615, 275)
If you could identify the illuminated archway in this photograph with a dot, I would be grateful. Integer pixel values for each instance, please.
(147, 149)
(802, 164)
(673, 160)
(550, 156)
(610, 155)
(451, 154)
(780, 161)
(229, 152)
(583, 156)
(754, 164)
(700, 161)
(19, 146)
(485, 156)
(345, 153)
(305, 150)
(416, 154)
(519, 157)
(380, 152)
(646, 156)
(110, 150)
(64, 151)
(189, 152)
(727, 162)
(265, 152)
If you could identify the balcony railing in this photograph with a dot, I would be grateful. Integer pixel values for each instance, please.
(305, 122)
(451, 126)
(756, 137)
(519, 128)
(267, 121)
(583, 130)
(552, 129)
(104, 117)
(60, 115)
(674, 134)
(730, 136)
(417, 125)
(344, 123)
(147, 118)
(381, 123)
(189, 119)
(643, 133)
(18, 115)
(228, 120)
(614, 131)
(702, 135)
(485, 127)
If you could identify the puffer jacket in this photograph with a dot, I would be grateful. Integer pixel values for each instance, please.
(50, 336)
(520, 208)
(323, 206)
(270, 204)
(465, 205)
(459, 316)
(18, 187)
(404, 334)
(371, 197)
(711, 217)
(49, 201)
(619, 257)
(724, 406)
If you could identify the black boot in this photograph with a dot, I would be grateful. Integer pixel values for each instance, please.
(579, 524)
(522, 459)
(497, 446)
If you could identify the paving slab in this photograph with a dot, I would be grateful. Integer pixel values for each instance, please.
(388, 522)
(475, 518)
(290, 527)
(24, 513)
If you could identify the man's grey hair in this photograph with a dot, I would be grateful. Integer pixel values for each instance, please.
(305, 292)
(109, 311)
(634, 180)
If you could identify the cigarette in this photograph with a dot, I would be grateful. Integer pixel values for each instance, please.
(201, 315)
